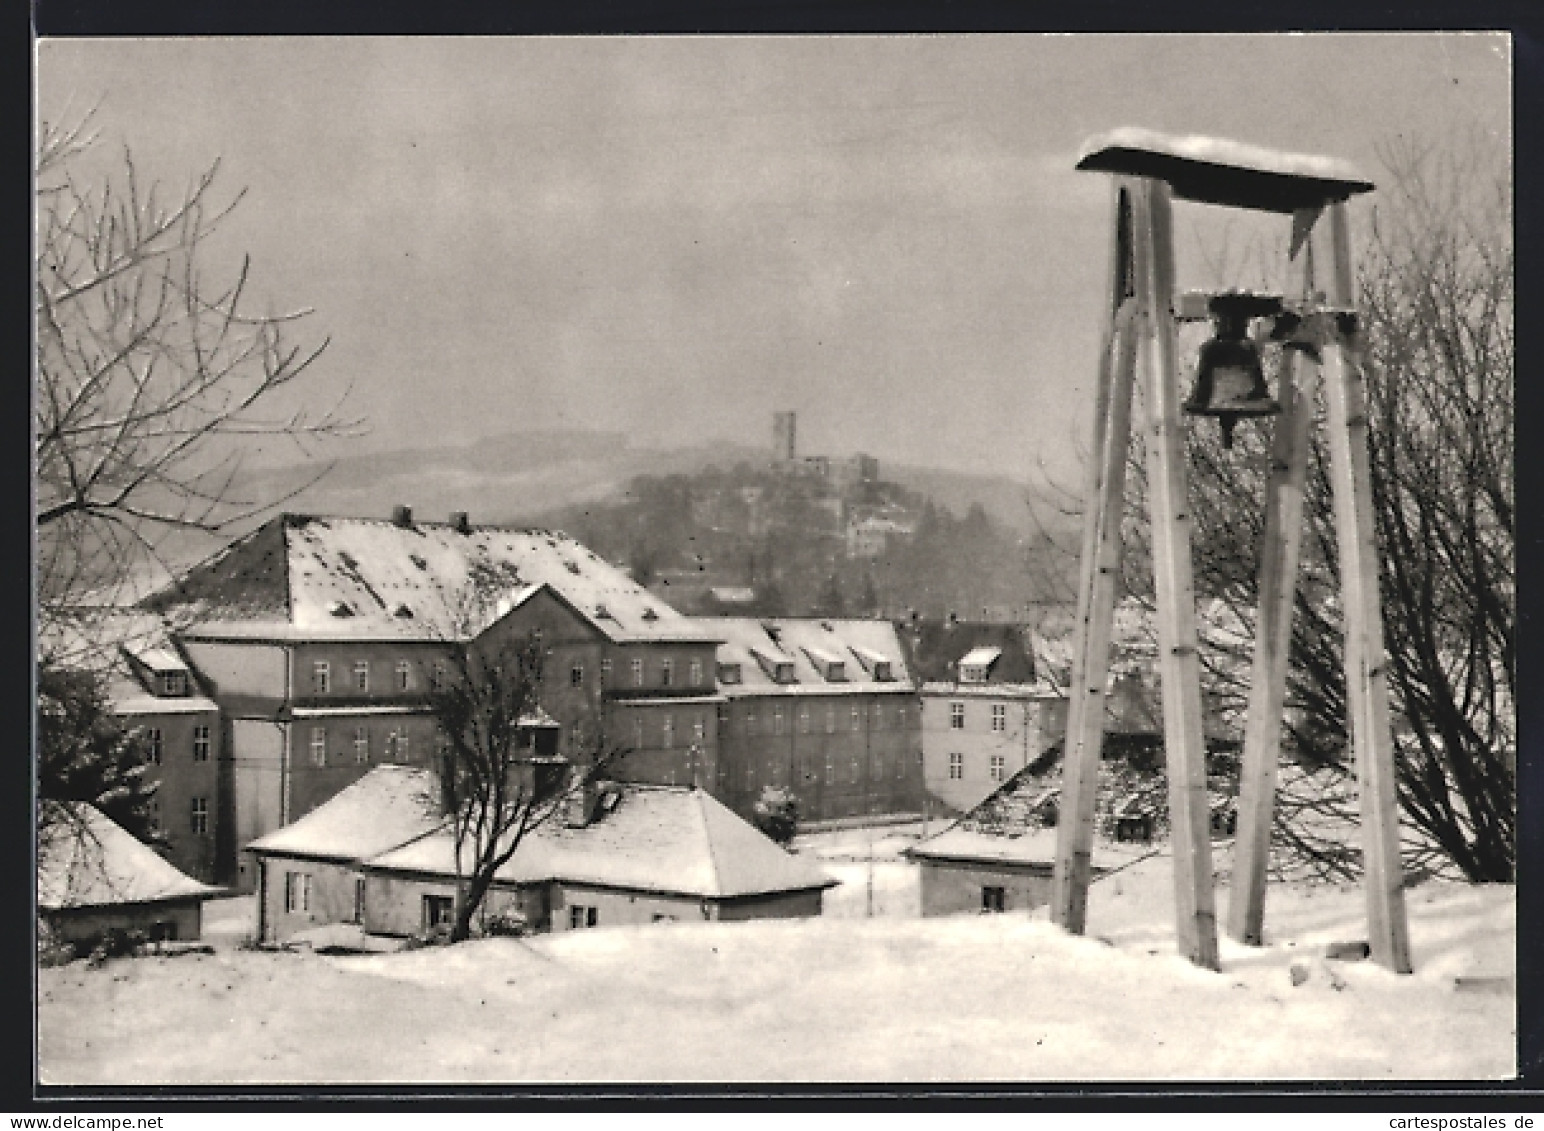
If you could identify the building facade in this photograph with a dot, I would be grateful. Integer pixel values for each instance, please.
(823, 707)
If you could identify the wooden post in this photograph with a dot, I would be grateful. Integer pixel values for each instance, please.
(1104, 495)
(1179, 659)
(1366, 661)
(1279, 554)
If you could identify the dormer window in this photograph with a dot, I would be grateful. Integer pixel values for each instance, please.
(729, 673)
(783, 672)
(340, 608)
(403, 612)
(174, 684)
(649, 613)
(882, 671)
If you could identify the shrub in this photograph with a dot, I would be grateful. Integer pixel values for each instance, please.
(777, 814)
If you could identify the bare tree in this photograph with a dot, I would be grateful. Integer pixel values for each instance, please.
(496, 784)
(152, 373)
(1436, 301)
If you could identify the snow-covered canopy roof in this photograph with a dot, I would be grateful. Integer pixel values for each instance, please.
(1214, 170)
(354, 578)
(88, 860)
(383, 809)
(861, 645)
(666, 839)
(983, 657)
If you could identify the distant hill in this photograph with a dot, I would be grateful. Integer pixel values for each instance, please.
(523, 476)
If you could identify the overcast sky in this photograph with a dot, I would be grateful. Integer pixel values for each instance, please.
(678, 236)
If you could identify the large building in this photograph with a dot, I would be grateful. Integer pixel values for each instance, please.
(825, 708)
(984, 714)
(322, 638)
(314, 646)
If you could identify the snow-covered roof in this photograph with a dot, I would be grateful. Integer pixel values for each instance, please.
(103, 641)
(668, 839)
(802, 641)
(383, 809)
(1037, 846)
(356, 578)
(980, 657)
(86, 859)
(1219, 171)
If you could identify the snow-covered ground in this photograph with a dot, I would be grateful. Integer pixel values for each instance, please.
(890, 998)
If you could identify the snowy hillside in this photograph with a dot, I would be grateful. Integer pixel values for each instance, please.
(843, 998)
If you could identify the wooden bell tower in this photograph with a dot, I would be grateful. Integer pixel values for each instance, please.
(1319, 323)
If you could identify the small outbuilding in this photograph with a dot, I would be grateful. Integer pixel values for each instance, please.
(95, 877)
(381, 855)
(1002, 854)
(631, 854)
(308, 871)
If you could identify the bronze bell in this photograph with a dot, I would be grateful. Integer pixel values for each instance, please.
(1229, 381)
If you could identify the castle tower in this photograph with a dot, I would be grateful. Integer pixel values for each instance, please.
(784, 436)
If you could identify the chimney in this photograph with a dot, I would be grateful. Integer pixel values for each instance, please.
(402, 515)
(461, 522)
(582, 801)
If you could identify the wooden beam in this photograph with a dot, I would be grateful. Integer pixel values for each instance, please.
(1366, 660)
(1104, 496)
(1180, 665)
(1279, 557)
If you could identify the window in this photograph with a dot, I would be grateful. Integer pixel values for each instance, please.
(437, 676)
(956, 716)
(999, 716)
(605, 673)
(396, 744)
(804, 720)
(900, 717)
(694, 673)
(637, 732)
(750, 776)
(993, 899)
(998, 766)
(361, 744)
(174, 683)
(321, 677)
(956, 767)
(666, 672)
(297, 891)
(777, 720)
(582, 916)
(637, 673)
(438, 910)
(830, 767)
(855, 769)
(877, 766)
(201, 744)
(362, 675)
(359, 899)
(404, 675)
(830, 718)
(319, 745)
(155, 744)
(857, 718)
(900, 767)
(199, 814)
(576, 675)
(750, 722)
(667, 732)
(878, 722)
(699, 730)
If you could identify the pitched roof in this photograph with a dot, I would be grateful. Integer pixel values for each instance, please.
(938, 647)
(88, 860)
(123, 647)
(357, 578)
(808, 643)
(389, 805)
(668, 839)
(1008, 826)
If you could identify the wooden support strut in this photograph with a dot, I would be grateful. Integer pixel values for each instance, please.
(1365, 659)
(1179, 658)
(1279, 557)
(1104, 496)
